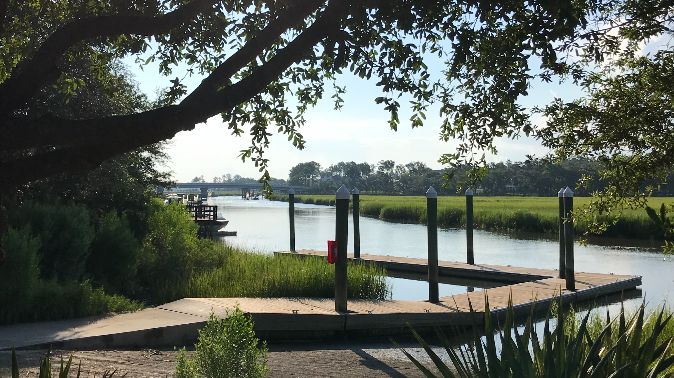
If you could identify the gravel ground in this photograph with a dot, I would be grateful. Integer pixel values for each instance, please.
(292, 361)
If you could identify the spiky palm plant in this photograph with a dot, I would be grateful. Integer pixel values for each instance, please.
(625, 349)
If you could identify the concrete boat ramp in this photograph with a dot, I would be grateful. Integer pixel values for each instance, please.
(177, 323)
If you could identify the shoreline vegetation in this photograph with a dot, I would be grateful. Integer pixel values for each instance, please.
(120, 272)
(526, 215)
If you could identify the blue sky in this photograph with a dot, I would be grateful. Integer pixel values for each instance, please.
(358, 132)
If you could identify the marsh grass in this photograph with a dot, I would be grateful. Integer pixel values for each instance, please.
(245, 274)
(503, 214)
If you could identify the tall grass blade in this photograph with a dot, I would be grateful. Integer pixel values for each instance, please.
(15, 365)
(64, 371)
(437, 361)
(661, 364)
(419, 365)
(45, 367)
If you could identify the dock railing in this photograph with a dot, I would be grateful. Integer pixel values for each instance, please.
(202, 212)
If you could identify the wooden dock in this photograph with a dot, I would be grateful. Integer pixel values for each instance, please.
(177, 323)
(527, 287)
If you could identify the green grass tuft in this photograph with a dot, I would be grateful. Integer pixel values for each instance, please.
(246, 274)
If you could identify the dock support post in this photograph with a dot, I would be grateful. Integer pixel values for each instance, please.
(562, 247)
(291, 217)
(342, 239)
(355, 194)
(432, 225)
(568, 240)
(470, 257)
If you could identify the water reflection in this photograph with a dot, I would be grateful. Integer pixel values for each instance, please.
(263, 226)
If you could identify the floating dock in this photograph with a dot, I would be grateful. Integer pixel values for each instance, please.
(526, 286)
(177, 323)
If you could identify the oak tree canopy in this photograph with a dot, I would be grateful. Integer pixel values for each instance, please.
(265, 63)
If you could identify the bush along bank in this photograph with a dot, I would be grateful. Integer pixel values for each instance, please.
(502, 214)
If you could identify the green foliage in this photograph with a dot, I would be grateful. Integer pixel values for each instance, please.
(226, 348)
(19, 274)
(53, 300)
(35, 298)
(167, 247)
(305, 174)
(113, 261)
(50, 300)
(65, 233)
(665, 224)
(403, 214)
(46, 368)
(244, 274)
(597, 348)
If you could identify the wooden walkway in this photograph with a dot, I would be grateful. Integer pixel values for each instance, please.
(526, 287)
(177, 323)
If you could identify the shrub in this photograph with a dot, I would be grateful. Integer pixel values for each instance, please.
(55, 300)
(166, 251)
(113, 260)
(19, 274)
(33, 298)
(226, 348)
(65, 232)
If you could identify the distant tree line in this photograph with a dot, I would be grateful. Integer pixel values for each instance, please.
(533, 176)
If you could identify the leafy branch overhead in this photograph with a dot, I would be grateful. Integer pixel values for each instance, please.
(265, 63)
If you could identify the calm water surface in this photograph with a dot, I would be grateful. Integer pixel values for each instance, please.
(263, 226)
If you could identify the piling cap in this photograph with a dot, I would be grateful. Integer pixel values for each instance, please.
(342, 193)
(568, 192)
(560, 193)
(431, 193)
(469, 192)
(291, 191)
(355, 190)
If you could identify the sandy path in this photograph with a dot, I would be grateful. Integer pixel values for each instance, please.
(343, 362)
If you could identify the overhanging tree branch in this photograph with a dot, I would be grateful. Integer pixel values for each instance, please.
(103, 138)
(54, 131)
(32, 74)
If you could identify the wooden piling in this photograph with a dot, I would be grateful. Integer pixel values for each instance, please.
(342, 239)
(432, 228)
(470, 257)
(291, 216)
(562, 247)
(568, 239)
(355, 207)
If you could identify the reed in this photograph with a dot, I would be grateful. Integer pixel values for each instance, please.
(246, 274)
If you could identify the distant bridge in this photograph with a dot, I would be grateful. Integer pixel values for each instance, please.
(245, 188)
